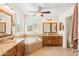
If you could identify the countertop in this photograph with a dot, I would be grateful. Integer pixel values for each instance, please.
(10, 44)
(4, 35)
(27, 36)
(49, 34)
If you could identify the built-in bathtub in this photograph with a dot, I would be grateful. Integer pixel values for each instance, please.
(32, 44)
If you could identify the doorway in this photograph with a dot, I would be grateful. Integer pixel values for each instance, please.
(68, 27)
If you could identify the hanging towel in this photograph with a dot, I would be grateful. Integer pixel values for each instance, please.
(75, 27)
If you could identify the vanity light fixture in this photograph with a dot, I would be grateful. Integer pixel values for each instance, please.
(51, 20)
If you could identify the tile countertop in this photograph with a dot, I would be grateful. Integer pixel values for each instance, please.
(10, 44)
(51, 34)
(4, 34)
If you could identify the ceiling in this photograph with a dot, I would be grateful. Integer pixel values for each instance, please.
(55, 8)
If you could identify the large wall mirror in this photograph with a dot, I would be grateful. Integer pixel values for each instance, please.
(5, 22)
(49, 27)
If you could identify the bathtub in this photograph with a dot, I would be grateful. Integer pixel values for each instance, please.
(32, 40)
(32, 44)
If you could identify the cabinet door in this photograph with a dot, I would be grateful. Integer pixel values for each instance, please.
(44, 38)
(23, 49)
(53, 40)
(20, 49)
(58, 41)
(49, 40)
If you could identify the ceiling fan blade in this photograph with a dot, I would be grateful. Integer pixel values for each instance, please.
(34, 14)
(46, 12)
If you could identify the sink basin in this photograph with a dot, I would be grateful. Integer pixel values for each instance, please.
(7, 45)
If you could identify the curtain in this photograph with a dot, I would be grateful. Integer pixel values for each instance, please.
(75, 27)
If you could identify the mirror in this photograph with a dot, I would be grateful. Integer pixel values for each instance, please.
(49, 27)
(54, 27)
(46, 27)
(2, 27)
(5, 22)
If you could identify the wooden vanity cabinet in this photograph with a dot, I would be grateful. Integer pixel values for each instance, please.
(52, 40)
(11, 52)
(20, 49)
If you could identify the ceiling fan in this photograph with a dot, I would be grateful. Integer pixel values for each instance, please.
(40, 12)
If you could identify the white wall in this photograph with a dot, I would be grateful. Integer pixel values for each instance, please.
(18, 15)
(30, 21)
(36, 19)
(62, 18)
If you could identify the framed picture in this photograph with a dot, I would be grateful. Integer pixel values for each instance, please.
(61, 26)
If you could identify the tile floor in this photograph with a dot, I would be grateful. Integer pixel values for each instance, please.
(53, 51)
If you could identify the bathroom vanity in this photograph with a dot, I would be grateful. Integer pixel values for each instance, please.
(11, 47)
(52, 40)
(50, 36)
(16, 50)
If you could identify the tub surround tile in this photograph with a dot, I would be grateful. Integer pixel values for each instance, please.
(32, 44)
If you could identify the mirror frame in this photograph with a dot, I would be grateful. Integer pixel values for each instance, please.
(6, 11)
